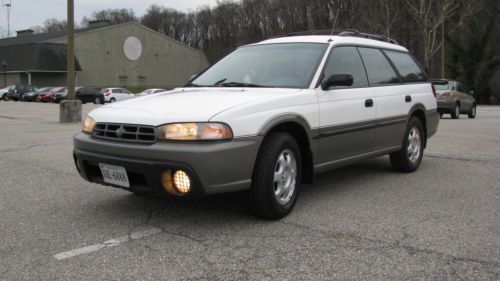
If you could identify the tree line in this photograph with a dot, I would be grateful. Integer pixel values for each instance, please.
(470, 29)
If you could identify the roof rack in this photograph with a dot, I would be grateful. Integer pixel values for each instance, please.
(343, 32)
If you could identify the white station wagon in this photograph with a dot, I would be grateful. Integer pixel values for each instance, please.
(266, 118)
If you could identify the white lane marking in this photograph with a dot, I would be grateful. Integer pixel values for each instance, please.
(146, 232)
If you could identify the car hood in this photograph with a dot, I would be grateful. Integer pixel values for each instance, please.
(181, 105)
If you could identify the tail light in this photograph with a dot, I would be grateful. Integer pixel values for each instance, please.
(434, 90)
(447, 94)
(107, 94)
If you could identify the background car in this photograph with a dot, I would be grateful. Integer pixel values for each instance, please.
(150, 91)
(47, 96)
(31, 96)
(59, 96)
(116, 94)
(88, 94)
(454, 98)
(16, 92)
(4, 91)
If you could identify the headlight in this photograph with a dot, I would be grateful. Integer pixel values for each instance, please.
(88, 125)
(195, 131)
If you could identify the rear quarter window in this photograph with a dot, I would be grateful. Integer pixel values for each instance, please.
(407, 67)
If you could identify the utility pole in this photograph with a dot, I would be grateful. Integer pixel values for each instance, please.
(4, 66)
(71, 50)
(70, 110)
(443, 58)
(8, 6)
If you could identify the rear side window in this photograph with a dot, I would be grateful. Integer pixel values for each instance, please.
(441, 85)
(116, 91)
(346, 60)
(407, 67)
(378, 68)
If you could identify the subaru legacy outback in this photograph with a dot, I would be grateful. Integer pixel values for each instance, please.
(266, 118)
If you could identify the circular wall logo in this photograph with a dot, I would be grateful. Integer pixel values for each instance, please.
(132, 48)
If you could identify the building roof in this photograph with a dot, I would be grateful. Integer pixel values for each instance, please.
(35, 38)
(33, 57)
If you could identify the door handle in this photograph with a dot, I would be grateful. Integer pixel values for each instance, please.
(408, 98)
(369, 103)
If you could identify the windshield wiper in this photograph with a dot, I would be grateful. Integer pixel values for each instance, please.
(241, 84)
(190, 84)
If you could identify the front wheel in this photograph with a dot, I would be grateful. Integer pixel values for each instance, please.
(97, 100)
(5, 97)
(472, 113)
(277, 177)
(408, 159)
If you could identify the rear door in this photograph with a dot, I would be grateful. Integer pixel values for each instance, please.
(392, 99)
(347, 114)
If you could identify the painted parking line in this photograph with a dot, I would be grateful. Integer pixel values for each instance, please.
(145, 232)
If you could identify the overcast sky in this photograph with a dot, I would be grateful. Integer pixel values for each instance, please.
(28, 13)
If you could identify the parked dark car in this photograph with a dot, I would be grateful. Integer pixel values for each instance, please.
(16, 93)
(85, 94)
(31, 96)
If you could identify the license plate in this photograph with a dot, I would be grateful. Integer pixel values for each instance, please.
(114, 175)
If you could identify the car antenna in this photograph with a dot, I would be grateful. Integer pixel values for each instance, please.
(334, 24)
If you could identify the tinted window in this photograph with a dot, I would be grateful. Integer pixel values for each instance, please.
(378, 67)
(346, 60)
(116, 91)
(408, 69)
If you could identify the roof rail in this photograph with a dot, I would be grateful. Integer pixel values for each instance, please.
(342, 32)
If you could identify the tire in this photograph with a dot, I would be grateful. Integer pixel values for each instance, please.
(472, 113)
(455, 114)
(112, 100)
(97, 100)
(5, 97)
(273, 196)
(37, 99)
(408, 159)
(440, 115)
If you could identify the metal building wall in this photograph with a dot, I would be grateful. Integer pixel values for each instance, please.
(164, 62)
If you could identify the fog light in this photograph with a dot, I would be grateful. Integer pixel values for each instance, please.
(182, 182)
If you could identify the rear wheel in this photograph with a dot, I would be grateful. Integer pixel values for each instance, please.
(112, 100)
(5, 97)
(97, 100)
(455, 114)
(472, 113)
(277, 177)
(409, 157)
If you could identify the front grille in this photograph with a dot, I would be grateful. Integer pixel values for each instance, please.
(125, 132)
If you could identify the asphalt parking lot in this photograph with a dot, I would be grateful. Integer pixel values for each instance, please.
(363, 222)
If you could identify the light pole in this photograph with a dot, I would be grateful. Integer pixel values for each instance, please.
(4, 67)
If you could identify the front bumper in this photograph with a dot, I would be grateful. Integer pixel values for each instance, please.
(213, 167)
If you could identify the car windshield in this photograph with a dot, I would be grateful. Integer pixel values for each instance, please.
(289, 65)
(441, 85)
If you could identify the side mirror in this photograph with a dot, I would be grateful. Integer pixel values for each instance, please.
(337, 80)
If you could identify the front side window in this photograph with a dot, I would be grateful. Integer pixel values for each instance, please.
(346, 60)
(288, 65)
(380, 71)
(407, 67)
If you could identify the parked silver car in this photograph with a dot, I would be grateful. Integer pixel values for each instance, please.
(454, 98)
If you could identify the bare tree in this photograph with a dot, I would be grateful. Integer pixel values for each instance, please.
(429, 16)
